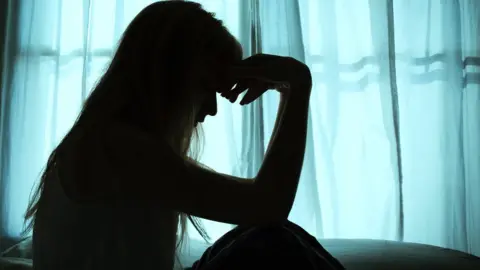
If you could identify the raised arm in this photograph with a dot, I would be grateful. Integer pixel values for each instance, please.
(132, 166)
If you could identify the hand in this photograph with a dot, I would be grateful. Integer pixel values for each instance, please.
(261, 72)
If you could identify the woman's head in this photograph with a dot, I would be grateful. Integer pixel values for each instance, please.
(166, 71)
(170, 63)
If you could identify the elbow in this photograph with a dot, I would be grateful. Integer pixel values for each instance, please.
(278, 210)
(284, 211)
(275, 206)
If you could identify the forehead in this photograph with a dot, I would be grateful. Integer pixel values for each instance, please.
(228, 46)
(238, 54)
(230, 53)
(224, 52)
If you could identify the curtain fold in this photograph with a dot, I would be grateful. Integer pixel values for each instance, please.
(383, 43)
(392, 147)
(431, 52)
(9, 46)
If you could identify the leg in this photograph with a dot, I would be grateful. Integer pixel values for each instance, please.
(268, 247)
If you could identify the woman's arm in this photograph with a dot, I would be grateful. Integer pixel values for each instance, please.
(283, 160)
(136, 167)
(124, 165)
(207, 194)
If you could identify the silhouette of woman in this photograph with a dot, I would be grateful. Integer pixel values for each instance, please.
(123, 178)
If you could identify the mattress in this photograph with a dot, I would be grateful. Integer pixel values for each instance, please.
(355, 254)
(359, 254)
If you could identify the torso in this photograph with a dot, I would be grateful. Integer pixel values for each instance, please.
(68, 235)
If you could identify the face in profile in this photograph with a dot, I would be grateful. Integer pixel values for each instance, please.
(214, 78)
(208, 106)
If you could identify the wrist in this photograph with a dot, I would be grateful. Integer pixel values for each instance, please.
(299, 92)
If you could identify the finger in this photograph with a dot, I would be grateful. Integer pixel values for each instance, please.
(239, 88)
(232, 95)
(252, 94)
(228, 86)
(254, 86)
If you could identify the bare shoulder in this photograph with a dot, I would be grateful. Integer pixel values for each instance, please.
(114, 161)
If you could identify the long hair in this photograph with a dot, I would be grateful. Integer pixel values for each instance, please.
(146, 79)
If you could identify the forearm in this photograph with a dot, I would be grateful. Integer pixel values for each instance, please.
(283, 161)
(281, 109)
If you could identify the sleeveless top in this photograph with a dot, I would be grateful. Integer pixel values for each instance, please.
(73, 236)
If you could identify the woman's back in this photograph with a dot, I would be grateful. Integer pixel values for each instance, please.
(69, 235)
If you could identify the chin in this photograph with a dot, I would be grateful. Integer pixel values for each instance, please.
(199, 121)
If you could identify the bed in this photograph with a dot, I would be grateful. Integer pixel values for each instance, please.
(355, 254)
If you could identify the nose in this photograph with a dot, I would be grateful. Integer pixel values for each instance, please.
(209, 107)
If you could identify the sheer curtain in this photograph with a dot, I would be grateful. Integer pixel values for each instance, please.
(393, 149)
(395, 116)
